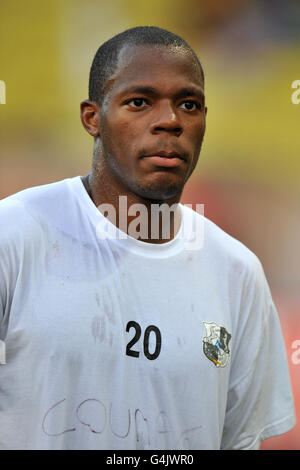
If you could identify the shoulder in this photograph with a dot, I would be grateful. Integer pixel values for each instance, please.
(23, 215)
(220, 249)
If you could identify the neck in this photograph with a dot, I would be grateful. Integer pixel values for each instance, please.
(150, 221)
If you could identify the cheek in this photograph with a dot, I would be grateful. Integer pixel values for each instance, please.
(200, 131)
(122, 133)
(119, 147)
(196, 137)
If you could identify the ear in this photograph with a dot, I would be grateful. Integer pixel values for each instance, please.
(89, 113)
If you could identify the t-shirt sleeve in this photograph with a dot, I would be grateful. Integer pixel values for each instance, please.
(260, 402)
(18, 231)
(6, 258)
(4, 286)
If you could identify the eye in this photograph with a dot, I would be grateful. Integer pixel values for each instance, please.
(136, 102)
(190, 105)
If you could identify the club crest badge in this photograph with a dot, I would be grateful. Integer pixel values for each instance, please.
(215, 343)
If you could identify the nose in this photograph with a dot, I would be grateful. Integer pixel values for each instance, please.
(166, 120)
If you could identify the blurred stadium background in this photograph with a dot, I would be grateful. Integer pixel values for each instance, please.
(249, 171)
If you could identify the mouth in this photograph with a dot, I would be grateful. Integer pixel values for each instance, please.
(165, 159)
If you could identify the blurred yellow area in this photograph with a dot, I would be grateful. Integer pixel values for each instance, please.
(46, 51)
(252, 126)
(29, 65)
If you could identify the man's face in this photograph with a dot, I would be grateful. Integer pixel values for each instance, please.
(152, 121)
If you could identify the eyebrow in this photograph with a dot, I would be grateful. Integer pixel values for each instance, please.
(150, 91)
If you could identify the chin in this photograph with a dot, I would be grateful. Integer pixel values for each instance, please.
(159, 192)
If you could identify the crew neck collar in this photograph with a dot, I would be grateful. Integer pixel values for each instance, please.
(107, 230)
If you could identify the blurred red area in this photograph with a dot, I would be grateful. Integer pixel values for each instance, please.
(288, 310)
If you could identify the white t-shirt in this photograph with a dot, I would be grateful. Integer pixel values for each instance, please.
(114, 343)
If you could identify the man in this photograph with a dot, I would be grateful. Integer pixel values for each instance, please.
(122, 335)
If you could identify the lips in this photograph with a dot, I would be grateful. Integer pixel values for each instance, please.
(164, 154)
(165, 159)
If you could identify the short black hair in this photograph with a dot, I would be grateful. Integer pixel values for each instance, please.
(106, 58)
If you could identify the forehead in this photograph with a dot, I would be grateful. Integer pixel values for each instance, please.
(155, 64)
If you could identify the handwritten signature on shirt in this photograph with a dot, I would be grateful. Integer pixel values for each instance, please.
(98, 418)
